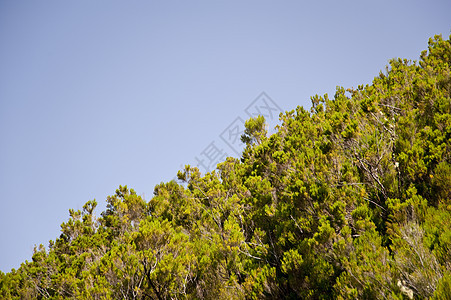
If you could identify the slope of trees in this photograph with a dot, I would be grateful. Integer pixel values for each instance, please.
(350, 200)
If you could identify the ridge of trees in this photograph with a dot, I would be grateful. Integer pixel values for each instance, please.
(348, 200)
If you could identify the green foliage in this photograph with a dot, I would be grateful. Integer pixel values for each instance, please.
(255, 131)
(350, 200)
(443, 288)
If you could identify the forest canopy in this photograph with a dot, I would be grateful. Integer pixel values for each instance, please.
(348, 200)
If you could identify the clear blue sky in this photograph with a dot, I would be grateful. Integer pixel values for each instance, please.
(97, 94)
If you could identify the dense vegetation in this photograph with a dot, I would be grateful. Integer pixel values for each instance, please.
(350, 200)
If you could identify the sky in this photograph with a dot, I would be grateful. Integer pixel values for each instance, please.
(97, 94)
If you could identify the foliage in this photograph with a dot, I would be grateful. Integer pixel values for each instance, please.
(350, 200)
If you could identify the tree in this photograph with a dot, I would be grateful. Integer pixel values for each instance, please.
(350, 199)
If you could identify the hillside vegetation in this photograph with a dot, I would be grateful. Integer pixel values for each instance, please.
(348, 200)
